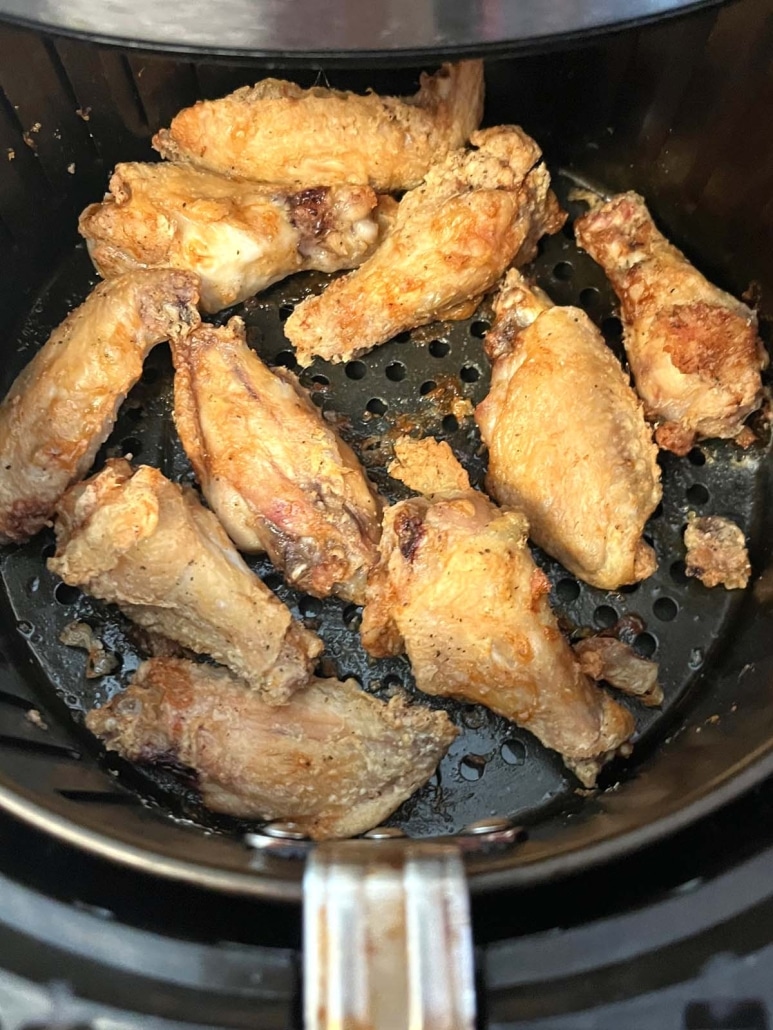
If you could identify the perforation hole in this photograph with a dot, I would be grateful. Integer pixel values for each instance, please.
(376, 406)
(391, 682)
(665, 609)
(352, 617)
(697, 494)
(563, 271)
(318, 398)
(131, 446)
(396, 371)
(472, 767)
(65, 594)
(427, 387)
(355, 370)
(479, 329)
(48, 551)
(696, 456)
(469, 374)
(590, 298)
(285, 311)
(513, 752)
(450, 424)
(439, 348)
(286, 359)
(568, 589)
(135, 413)
(605, 616)
(403, 337)
(273, 580)
(678, 573)
(645, 644)
(612, 329)
(310, 607)
(320, 380)
(658, 512)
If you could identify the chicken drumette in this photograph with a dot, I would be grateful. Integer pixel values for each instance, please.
(456, 588)
(238, 237)
(137, 540)
(693, 349)
(452, 238)
(333, 760)
(276, 473)
(567, 439)
(277, 132)
(62, 407)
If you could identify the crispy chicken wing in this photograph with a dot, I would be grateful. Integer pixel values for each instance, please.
(238, 237)
(277, 132)
(693, 349)
(457, 589)
(276, 473)
(62, 407)
(333, 760)
(568, 442)
(137, 540)
(476, 212)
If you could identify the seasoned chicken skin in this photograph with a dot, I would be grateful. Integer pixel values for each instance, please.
(62, 406)
(238, 237)
(716, 551)
(277, 132)
(276, 473)
(457, 589)
(476, 212)
(137, 540)
(567, 439)
(693, 349)
(334, 760)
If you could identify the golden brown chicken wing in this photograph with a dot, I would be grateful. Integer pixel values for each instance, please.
(276, 473)
(476, 212)
(693, 349)
(568, 442)
(238, 237)
(457, 589)
(62, 407)
(277, 132)
(137, 540)
(334, 760)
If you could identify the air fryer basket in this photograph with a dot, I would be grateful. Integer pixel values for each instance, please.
(678, 112)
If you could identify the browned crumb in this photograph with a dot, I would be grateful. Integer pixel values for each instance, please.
(716, 552)
(83, 112)
(427, 466)
(99, 662)
(34, 716)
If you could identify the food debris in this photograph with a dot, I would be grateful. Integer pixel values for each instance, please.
(71, 168)
(611, 660)
(83, 112)
(29, 141)
(10, 153)
(34, 716)
(716, 552)
(99, 662)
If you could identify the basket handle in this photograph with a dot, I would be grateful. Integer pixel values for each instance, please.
(387, 939)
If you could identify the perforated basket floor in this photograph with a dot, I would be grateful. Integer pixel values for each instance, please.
(493, 768)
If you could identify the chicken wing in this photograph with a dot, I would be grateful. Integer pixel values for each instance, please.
(457, 589)
(476, 212)
(62, 406)
(277, 132)
(137, 540)
(276, 473)
(693, 349)
(238, 237)
(567, 439)
(334, 760)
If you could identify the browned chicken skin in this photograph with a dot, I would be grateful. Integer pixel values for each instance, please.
(277, 132)
(135, 539)
(62, 406)
(276, 473)
(238, 237)
(694, 350)
(458, 591)
(475, 213)
(567, 439)
(716, 551)
(333, 760)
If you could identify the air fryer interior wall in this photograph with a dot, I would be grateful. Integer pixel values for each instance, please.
(678, 112)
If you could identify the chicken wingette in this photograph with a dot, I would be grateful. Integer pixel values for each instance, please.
(334, 760)
(477, 212)
(135, 539)
(693, 349)
(238, 237)
(276, 473)
(567, 439)
(457, 589)
(277, 132)
(63, 405)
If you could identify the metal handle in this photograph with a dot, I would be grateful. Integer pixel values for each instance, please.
(387, 940)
